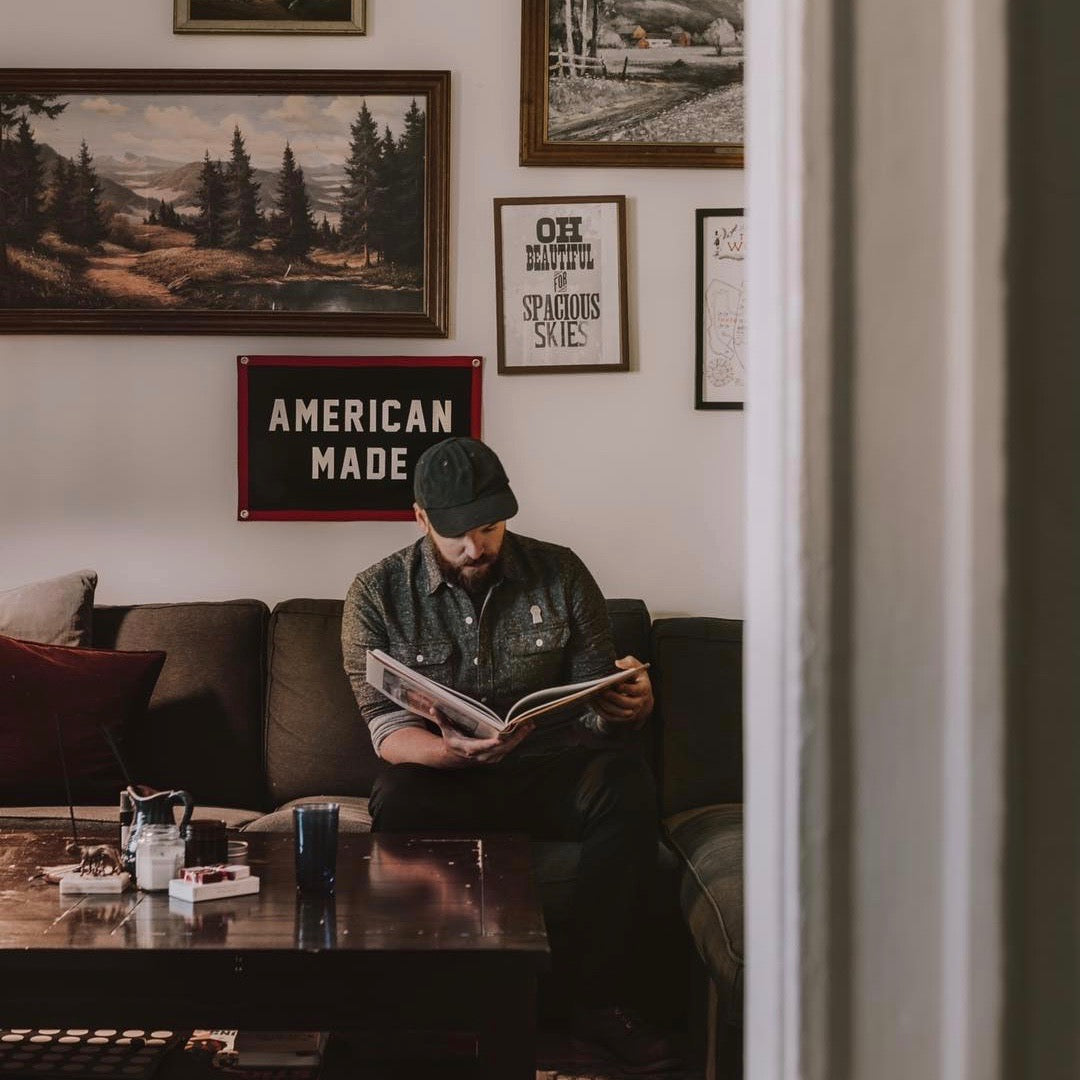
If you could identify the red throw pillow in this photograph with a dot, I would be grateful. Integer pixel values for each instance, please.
(85, 689)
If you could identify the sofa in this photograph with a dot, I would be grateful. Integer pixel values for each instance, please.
(252, 713)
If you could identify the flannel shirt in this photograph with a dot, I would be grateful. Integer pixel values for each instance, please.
(544, 622)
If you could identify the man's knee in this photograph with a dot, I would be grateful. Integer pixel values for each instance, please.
(404, 798)
(619, 780)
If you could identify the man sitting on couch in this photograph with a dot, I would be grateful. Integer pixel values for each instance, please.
(497, 615)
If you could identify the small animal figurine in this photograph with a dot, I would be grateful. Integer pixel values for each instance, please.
(96, 860)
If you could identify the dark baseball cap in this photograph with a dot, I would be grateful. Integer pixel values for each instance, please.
(461, 485)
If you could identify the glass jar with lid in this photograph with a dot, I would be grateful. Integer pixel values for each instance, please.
(159, 856)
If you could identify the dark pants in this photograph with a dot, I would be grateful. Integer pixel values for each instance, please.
(603, 799)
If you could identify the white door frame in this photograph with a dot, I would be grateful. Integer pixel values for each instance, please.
(815, 70)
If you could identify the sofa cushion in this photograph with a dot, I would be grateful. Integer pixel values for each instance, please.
(353, 817)
(709, 840)
(630, 625)
(315, 738)
(203, 731)
(53, 612)
(698, 684)
(57, 696)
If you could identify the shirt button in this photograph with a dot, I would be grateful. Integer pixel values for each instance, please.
(419, 658)
(468, 620)
(539, 642)
(476, 660)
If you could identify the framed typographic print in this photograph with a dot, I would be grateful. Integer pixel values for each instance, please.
(560, 269)
(269, 16)
(721, 310)
(632, 82)
(336, 438)
(209, 201)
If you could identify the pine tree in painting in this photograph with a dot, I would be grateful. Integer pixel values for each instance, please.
(385, 236)
(327, 237)
(60, 209)
(210, 195)
(24, 182)
(87, 227)
(409, 189)
(13, 109)
(293, 225)
(241, 199)
(358, 194)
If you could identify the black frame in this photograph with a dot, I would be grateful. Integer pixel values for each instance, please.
(619, 201)
(699, 299)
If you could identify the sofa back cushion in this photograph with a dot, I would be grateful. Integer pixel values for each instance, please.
(698, 686)
(316, 742)
(203, 729)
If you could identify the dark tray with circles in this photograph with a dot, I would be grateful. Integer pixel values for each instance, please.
(83, 1052)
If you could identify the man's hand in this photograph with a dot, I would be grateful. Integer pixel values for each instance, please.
(461, 750)
(629, 702)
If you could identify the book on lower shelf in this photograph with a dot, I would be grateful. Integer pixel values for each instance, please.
(262, 1050)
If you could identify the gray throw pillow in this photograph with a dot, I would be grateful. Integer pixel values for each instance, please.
(53, 612)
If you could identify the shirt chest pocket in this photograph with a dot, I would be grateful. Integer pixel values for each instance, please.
(430, 656)
(536, 657)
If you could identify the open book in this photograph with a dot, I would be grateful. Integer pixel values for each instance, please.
(420, 695)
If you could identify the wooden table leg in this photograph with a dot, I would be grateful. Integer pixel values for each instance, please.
(507, 1035)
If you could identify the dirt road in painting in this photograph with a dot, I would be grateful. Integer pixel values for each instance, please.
(115, 276)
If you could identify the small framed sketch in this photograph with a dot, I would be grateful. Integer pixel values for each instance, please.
(721, 310)
(560, 269)
(269, 17)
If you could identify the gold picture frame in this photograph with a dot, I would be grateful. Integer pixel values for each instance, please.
(269, 16)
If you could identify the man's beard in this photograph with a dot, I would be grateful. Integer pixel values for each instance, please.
(474, 578)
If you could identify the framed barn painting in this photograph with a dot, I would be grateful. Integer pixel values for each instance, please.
(269, 17)
(268, 202)
(632, 82)
(721, 310)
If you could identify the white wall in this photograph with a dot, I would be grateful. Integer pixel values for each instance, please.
(119, 452)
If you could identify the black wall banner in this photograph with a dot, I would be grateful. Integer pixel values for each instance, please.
(336, 438)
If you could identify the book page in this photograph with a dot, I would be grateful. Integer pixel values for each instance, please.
(552, 704)
(419, 694)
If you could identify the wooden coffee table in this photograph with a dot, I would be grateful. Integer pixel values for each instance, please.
(423, 934)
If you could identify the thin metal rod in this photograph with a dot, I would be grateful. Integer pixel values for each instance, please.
(116, 753)
(67, 782)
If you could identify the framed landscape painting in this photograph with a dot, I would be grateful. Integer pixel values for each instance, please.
(224, 202)
(269, 16)
(721, 309)
(632, 82)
